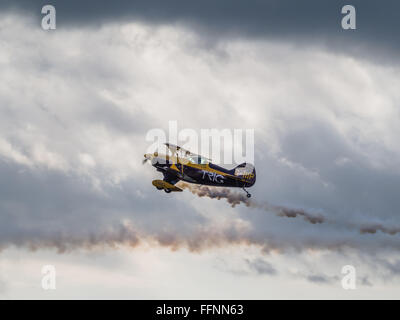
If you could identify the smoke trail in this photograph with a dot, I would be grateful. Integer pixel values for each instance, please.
(374, 228)
(118, 224)
(201, 236)
(111, 237)
(293, 213)
(235, 198)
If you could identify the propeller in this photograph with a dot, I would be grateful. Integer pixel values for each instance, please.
(149, 157)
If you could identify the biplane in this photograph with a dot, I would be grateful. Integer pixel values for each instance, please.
(181, 164)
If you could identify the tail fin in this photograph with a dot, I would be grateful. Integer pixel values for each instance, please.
(246, 171)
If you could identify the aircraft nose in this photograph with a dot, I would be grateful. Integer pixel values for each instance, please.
(154, 161)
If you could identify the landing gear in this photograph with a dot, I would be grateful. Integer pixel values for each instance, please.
(158, 188)
(167, 190)
(248, 195)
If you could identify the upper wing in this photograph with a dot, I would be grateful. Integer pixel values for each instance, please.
(175, 148)
(186, 153)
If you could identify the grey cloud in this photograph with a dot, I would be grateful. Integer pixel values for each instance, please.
(360, 186)
(42, 207)
(261, 266)
(3, 286)
(319, 278)
(305, 22)
(393, 267)
(366, 282)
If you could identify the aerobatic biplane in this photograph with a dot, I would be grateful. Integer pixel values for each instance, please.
(181, 164)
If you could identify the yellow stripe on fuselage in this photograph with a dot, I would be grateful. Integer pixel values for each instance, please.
(204, 167)
(207, 168)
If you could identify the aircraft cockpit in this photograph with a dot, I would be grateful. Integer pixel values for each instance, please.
(196, 159)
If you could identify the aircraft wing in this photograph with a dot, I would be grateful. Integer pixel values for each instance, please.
(175, 148)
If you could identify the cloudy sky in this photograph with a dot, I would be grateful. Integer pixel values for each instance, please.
(77, 102)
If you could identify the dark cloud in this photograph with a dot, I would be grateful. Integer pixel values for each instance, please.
(365, 281)
(319, 278)
(392, 266)
(358, 184)
(302, 21)
(261, 266)
(45, 208)
(49, 209)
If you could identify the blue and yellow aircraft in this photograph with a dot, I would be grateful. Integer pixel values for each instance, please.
(184, 165)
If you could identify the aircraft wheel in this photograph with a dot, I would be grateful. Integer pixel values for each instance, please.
(158, 188)
(248, 195)
(167, 190)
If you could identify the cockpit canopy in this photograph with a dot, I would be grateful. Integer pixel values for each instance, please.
(196, 159)
(186, 155)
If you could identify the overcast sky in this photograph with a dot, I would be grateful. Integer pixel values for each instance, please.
(76, 104)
